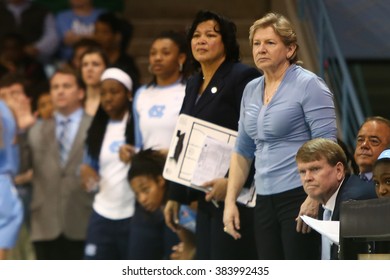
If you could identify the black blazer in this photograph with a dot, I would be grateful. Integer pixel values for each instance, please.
(353, 188)
(219, 103)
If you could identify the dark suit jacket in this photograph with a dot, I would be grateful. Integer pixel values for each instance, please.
(353, 188)
(219, 104)
(59, 204)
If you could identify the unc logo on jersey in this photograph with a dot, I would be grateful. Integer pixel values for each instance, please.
(157, 111)
(114, 147)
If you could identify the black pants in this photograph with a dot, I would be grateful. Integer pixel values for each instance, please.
(275, 228)
(213, 243)
(60, 248)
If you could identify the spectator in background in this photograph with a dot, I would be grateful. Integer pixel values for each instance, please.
(13, 60)
(13, 92)
(114, 35)
(93, 63)
(372, 138)
(60, 208)
(44, 106)
(76, 23)
(104, 174)
(79, 49)
(34, 23)
(157, 104)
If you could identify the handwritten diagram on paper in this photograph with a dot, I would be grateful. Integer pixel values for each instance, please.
(189, 140)
(199, 152)
(213, 161)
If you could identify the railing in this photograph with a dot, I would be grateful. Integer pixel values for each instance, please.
(333, 69)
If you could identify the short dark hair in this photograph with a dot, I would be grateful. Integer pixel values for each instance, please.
(10, 79)
(118, 26)
(147, 163)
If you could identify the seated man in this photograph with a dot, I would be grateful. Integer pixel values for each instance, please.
(372, 138)
(322, 165)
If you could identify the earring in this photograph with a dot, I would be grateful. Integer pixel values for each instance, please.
(180, 67)
(150, 69)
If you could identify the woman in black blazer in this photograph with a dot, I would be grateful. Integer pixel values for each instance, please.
(214, 95)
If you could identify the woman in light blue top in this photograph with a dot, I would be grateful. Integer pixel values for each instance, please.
(11, 211)
(279, 112)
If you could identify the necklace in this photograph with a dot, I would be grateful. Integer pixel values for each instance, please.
(270, 90)
(268, 96)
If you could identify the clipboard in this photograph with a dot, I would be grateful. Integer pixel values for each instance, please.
(197, 142)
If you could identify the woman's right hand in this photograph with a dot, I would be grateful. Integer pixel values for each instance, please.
(171, 214)
(231, 220)
(89, 178)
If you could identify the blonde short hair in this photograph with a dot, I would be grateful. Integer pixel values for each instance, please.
(282, 27)
(319, 148)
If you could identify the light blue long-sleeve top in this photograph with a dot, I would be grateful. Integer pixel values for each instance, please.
(301, 109)
(9, 151)
(11, 211)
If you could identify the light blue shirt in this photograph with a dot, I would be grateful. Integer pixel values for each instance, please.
(81, 25)
(8, 151)
(73, 126)
(301, 109)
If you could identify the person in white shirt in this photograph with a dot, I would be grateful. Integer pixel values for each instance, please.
(103, 172)
(157, 105)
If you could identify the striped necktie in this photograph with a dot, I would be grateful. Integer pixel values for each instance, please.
(326, 243)
(64, 141)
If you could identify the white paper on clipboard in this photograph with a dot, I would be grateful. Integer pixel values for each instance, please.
(200, 151)
(213, 161)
